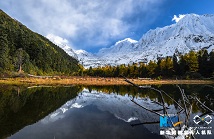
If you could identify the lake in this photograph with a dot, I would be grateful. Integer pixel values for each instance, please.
(82, 112)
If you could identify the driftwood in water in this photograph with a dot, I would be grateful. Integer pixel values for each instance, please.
(185, 105)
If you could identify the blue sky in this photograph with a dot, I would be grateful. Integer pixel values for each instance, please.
(94, 24)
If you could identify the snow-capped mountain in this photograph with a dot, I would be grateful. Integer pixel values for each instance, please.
(122, 108)
(62, 43)
(108, 56)
(123, 46)
(88, 59)
(192, 32)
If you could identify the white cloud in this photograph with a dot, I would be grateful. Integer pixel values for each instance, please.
(178, 18)
(83, 22)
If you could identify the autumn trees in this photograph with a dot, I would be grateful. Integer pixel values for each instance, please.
(191, 65)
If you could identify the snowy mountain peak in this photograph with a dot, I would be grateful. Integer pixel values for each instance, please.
(80, 51)
(62, 43)
(126, 45)
(189, 27)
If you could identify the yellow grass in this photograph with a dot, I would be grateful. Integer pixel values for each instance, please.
(94, 81)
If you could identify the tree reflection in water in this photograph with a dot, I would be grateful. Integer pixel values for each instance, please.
(184, 108)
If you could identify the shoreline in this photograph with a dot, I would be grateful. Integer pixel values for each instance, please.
(94, 81)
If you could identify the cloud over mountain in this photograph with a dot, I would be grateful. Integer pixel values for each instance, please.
(91, 22)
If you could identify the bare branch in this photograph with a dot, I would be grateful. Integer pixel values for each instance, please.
(146, 108)
(203, 105)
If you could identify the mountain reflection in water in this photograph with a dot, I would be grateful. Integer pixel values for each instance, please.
(91, 115)
(108, 112)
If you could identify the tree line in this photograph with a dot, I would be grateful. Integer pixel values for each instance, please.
(190, 65)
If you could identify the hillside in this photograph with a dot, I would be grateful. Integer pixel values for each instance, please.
(35, 54)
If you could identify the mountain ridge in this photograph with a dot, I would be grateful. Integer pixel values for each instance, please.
(192, 32)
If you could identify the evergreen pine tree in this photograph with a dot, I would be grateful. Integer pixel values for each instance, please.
(211, 63)
(203, 63)
(175, 65)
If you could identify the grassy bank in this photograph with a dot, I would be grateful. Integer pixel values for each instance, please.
(93, 81)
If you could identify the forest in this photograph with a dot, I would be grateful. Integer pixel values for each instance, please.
(24, 50)
(193, 65)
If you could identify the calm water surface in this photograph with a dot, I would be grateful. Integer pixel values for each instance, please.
(91, 111)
